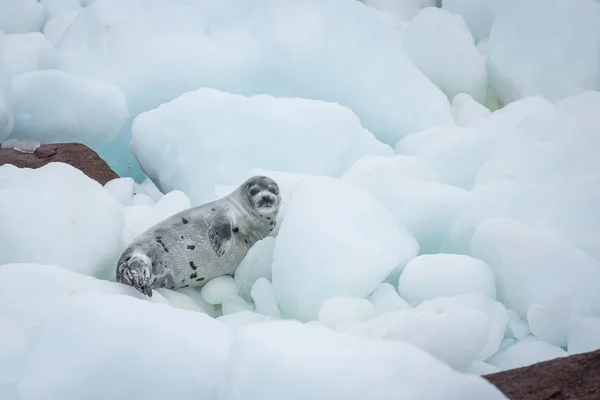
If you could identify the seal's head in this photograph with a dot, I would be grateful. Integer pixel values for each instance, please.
(261, 195)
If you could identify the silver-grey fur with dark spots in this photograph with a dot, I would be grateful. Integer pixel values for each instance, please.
(203, 242)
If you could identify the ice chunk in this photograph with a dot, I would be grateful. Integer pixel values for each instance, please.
(140, 199)
(122, 189)
(441, 46)
(534, 265)
(218, 289)
(532, 46)
(28, 52)
(402, 9)
(573, 207)
(456, 337)
(6, 117)
(426, 208)
(196, 297)
(181, 300)
(481, 368)
(458, 153)
(496, 312)
(57, 7)
(235, 304)
(467, 111)
(13, 355)
(389, 168)
(32, 294)
(514, 113)
(66, 108)
(242, 319)
(21, 16)
(551, 147)
(277, 134)
(56, 26)
(385, 298)
(256, 264)
(342, 242)
(339, 309)
(517, 328)
(525, 352)
(585, 336)
(478, 14)
(148, 187)
(256, 51)
(328, 365)
(264, 299)
(85, 221)
(431, 275)
(582, 107)
(552, 322)
(91, 345)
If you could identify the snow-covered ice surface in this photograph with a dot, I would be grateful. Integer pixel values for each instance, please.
(440, 183)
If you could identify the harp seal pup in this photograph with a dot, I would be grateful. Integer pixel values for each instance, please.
(200, 243)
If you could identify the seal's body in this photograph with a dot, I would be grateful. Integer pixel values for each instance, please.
(201, 243)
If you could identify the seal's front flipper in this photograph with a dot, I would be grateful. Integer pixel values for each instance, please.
(220, 233)
(135, 271)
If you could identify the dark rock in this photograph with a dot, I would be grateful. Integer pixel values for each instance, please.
(575, 377)
(75, 154)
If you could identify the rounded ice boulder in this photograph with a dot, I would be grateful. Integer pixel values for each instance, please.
(28, 52)
(547, 47)
(21, 16)
(407, 187)
(57, 215)
(333, 50)
(55, 106)
(207, 137)
(534, 265)
(431, 275)
(335, 240)
(6, 117)
(292, 361)
(102, 347)
(441, 46)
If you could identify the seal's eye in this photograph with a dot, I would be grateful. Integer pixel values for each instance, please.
(273, 189)
(254, 191)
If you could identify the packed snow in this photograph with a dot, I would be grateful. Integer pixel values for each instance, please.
(439, 176)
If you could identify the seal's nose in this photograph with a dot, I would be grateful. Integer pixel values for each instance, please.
(266, 199)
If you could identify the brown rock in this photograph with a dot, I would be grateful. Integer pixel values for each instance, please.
(575, 377)
(75, 154)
